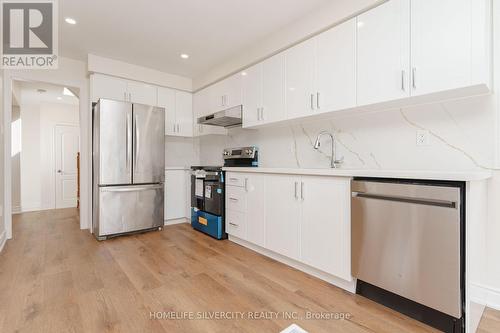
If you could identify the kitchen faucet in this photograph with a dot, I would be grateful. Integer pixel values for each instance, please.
(334, 162)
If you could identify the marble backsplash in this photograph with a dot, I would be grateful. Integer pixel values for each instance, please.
(461, 137)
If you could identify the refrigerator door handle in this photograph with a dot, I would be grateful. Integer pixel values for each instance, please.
(128, 142)
(131, 188)
(136, 141)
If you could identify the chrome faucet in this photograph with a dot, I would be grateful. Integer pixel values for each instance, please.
(335, 163)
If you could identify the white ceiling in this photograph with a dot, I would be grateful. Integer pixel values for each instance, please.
(30, 95)
(154, 33)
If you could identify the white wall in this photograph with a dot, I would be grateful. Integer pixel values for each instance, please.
(71, 73)
(16, 158)
(37, 185)
(181, 152)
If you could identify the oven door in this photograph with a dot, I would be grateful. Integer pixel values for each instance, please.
(214, 197)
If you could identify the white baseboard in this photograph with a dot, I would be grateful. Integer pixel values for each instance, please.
(176, 221)
(19, 210)
(3, 240)
(485, 295)
(350, 286)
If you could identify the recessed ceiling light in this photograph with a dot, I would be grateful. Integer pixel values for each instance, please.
(59, 98)
(70, 20)
(184, 56)
(244, 73)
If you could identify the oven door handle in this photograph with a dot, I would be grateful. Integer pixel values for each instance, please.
(411, 200)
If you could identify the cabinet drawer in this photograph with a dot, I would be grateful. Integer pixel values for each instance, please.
(236, 199)
(235, 180)
(235, 224)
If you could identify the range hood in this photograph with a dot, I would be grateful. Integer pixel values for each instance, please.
(226, 118)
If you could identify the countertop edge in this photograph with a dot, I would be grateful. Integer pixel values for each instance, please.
(466, 176)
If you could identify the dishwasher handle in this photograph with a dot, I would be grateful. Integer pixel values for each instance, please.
(417, 201)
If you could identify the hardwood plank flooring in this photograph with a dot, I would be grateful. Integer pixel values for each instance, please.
(55, 277)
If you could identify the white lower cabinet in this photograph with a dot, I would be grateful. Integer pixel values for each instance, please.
(305, 218)
(325, 224)
(176, 194)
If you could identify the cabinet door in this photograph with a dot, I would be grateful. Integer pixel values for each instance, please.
(231, 89)
(166, 99)
(216, 98)
(184, 113)
(175, 194)
(325, 224)
(142, 93)
(201, 102)
(441, 45)
(336, 68)
(283, 215)
(252, 95)
(299, 80)
(273, 89)
(255, 208)
(383, 55)
(108, 87)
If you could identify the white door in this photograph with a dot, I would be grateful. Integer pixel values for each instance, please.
(336, 68)
(283, 215)
(252, 95)
(325, 224)
(175, 194)
(273, 89)
(166, 99)
(299, 80)
(141, 93)
(383, 55)
(255, 209)
(441, 45)
(108, 87)
(67, 145)
(184, 113)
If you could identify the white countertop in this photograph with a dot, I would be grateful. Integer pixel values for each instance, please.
(177, 168)
(402, 174)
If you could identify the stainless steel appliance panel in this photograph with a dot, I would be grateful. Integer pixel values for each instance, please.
(149, 145)
(113, 142)
(406, 239)
(130, 208)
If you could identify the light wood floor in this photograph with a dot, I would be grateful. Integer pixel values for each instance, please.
(57, 278)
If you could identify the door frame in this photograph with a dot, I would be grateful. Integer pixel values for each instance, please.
(54, 159)
(85, 115)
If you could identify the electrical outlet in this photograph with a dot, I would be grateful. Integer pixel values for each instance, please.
(422, 138)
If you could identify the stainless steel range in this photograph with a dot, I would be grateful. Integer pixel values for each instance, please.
(208, 190)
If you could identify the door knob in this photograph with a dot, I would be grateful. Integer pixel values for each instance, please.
(59, 171)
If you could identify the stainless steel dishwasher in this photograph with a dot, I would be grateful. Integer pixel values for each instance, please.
(408, 248)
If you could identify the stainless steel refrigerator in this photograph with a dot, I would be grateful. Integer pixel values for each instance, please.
(128, 168)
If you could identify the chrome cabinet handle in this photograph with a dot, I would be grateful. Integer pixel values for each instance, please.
(130, 97)
(262, 113)
(174, 128)
(317, 100)
(312, 101)
(296, 191)
(233, 179)
(233, 224)
(258, 113)
(246, 184)
(403, 80)
(125, 96)
(302, 191)
(233, 199)
(414, 77)
(178, 130)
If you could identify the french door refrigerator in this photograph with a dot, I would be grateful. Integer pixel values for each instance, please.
(128, 168)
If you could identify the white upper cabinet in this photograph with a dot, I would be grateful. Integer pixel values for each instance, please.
(178, 111)
(184, 113)
(252, 95)
(383, 54)
(300, 94)
(141, 93)
(440, 45)
(108, 87)
(263, 92)
(273, 90)
(224, 94)
(166, 99)
(335, 72)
